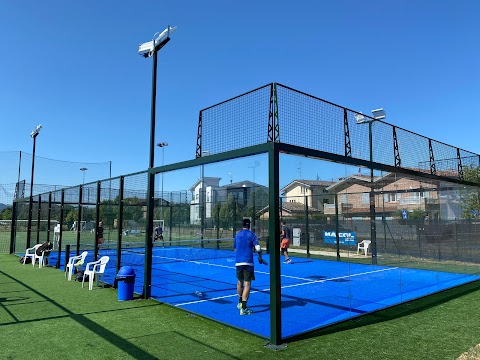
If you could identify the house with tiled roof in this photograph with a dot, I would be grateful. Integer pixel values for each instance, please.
(313, 193)
(392, 192)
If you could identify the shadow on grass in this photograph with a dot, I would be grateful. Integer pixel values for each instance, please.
(114, 339)
(394, 312)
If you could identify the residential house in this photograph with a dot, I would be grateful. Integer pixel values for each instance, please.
(215, 193)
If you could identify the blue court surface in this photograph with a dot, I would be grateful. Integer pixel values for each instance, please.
(315, 293)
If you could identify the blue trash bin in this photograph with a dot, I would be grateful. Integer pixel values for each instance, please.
(126, 282)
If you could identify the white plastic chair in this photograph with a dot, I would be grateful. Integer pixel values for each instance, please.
(42, 257)
(363, 246)
(97, 269)
(74, 260)
(31, 253)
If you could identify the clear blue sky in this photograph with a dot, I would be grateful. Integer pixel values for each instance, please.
(73, 67)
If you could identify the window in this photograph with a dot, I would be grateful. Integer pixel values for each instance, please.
(391, 197)
(344, 198)
(365, 198)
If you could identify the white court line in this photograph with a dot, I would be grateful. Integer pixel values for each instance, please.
(225, 266)
(289, 286)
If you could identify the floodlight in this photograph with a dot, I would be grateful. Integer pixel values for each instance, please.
(162, 144)
(33, 135)
(360, 118)
(36, 131)
(379, 114)
(146, 49)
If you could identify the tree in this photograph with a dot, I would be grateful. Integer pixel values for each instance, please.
(72, 215)
(108, 212)
(229, 212)
(471, 195)
(132, 209)
(6, 214)
(417, 214)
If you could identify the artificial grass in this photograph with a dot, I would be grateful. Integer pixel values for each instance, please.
(45, 317)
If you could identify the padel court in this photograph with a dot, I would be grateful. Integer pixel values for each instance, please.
(417, 208)
(315, 293)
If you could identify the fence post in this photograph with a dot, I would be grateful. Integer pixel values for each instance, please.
(306, 226)
(67, 256)
(120, 228)
(57, 265)
(13, 227)
(337, 227)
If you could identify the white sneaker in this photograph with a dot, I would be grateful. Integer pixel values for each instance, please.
(246, 311)
(239, 306)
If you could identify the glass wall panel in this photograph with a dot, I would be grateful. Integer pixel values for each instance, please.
(348, 259)
(194, 264)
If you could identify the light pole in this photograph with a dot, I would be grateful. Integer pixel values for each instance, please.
(146, 50)
(33, 135)
(83, 169)
(203, 198)
(253, 166)
(378, 114)
(162, 145)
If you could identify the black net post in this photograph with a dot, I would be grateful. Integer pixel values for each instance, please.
(97, 220)
(120, 228)
(306, 226)
(234, 210)
(337, 227)
(170, 225)
(39, 216)
(13, 225)
(79, 218)
(62, 205)
(49, 215)
(67, 256)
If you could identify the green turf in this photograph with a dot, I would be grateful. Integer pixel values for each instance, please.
(43, 316)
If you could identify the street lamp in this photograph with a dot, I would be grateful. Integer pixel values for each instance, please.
(203, 197)
(146, 50)
(162, 145)
(33, 135)
(83, 169)
(253, 166)
(378, 114)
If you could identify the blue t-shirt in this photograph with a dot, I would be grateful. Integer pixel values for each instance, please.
(243, 244)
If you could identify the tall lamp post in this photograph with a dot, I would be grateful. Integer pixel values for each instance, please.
(33, 135)
(253, 166)
(150, 49)
(378, 114)
(162, 145)
(203, 198)
(83, 169)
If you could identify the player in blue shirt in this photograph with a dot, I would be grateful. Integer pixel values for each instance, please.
(244, 243)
